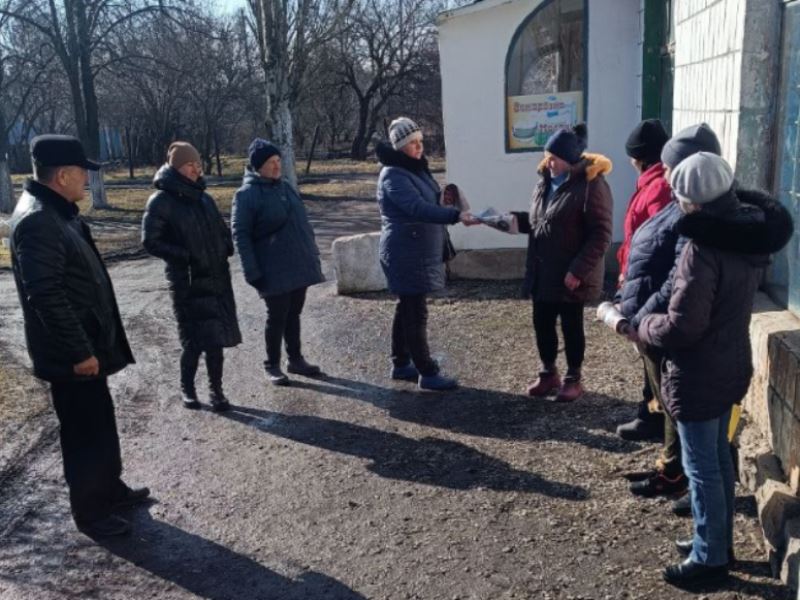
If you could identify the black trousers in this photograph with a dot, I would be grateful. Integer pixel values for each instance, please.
(283, 324)
(410, 334)
(545, 315)
(89, 447)
(190, 359)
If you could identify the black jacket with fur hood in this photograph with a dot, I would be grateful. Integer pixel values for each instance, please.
(706, 329)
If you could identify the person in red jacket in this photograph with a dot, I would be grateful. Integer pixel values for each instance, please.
(652, 193)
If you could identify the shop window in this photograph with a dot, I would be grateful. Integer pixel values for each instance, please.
(546, 74)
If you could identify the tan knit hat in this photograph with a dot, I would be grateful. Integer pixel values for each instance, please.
(180, 153)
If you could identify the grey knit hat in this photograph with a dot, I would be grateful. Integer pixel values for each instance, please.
(697, 138)
(701, 178)
(403, 130)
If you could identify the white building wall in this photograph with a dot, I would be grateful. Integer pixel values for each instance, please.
(708, 66)
(473, 46)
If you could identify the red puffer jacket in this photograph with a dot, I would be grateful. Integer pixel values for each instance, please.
(652, 194)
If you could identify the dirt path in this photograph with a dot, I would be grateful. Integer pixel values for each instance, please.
(352, 486)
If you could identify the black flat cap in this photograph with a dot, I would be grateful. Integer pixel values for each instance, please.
(60, 151)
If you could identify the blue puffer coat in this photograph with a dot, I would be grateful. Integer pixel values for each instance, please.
(413, 224)
(273, 236)
(652, 260)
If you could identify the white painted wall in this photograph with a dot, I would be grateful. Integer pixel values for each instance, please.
(708, 67)
(473, 46)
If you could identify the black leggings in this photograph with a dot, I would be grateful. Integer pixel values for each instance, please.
(190, 359)
(545, 315)
(410, 335)
(283, 324)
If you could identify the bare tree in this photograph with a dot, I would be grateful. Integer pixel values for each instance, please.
(79, 31)
(379, 51)
(289, 32)
(24, 64)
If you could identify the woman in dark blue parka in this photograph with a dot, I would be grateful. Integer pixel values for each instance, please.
(413, 238)
(279, 254)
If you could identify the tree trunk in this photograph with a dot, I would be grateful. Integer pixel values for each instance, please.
(216, 154)
(280, 124)
(7, 201)
(97, 188)
(358, 150)
(129, 145)
(91, 137)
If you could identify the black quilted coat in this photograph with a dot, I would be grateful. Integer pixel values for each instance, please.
(66, 294)
(183, 226)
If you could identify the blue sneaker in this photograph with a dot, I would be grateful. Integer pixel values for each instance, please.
(408, 372)
(437, 382)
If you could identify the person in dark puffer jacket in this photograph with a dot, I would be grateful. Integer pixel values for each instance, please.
(569, 229)
(183, 226)
(652, 193)
(279, 255)
(412, 244)
(705, 334)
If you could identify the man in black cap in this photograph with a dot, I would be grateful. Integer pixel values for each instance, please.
(73, 329)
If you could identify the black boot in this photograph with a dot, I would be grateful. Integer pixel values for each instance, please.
(692, 574)
(660, 484)
(189, 397)
(299, 366)
(274, 374)
(219, 403)
(110, 526)
(646, 426)
(214, 362)
(682, 507)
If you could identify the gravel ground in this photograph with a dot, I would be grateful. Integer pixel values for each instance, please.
(352, 486)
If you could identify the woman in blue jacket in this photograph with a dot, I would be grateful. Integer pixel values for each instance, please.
(279, 255)
(413, 237)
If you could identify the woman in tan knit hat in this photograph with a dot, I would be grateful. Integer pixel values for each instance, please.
(183, 226)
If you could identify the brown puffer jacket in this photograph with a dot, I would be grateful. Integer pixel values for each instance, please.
(706, 329)
(569, 232)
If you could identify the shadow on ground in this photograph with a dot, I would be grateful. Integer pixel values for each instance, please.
(72, 566)
(432, 461)
(490, 413)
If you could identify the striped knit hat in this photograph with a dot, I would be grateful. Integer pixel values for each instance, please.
(403, 130)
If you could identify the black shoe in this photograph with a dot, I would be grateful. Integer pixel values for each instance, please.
(109, 526)
(131, 497)
(682, 507)
(684, 548)
(299, 366)
(640, 475)
(660, 485)
(219, 403)
(275, 376)
(690, 573)
(190, 400)
(640, 430)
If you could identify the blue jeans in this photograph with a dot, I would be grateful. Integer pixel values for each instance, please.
(708, 464)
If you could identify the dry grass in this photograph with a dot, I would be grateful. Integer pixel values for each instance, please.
(233, 165)
(117, 229)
